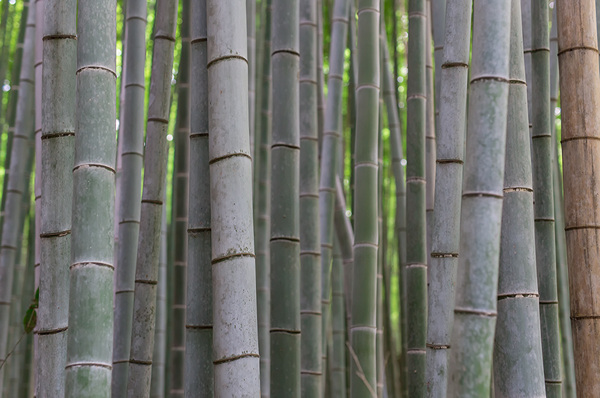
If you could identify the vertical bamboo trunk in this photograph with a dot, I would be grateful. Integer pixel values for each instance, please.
(338, 368)
(564, 312)
(321, 77)
(580, 96)
(544, 196)
(25, 373)
(199, 320)
(285, 226)
(415, 277)
(379, 350)
(131, 143)
(58, 133)
(345, 236)
(310, 239)
(251, 40)
(518, 362)
(18, 180)
(477, 280)
(364, 294)
(330, 141)
(155, 169)
(446, 227)
(526, 23)
(438, 26)
(262, 230)
(235, 341)
(180, 211)
(90, 339)
(430, 130)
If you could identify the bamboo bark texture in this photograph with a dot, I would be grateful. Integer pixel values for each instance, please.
(481, 211)
(199, 318)
(90, 337)
(580, 99)
(363, 327)
(58, 139)
(235, 340)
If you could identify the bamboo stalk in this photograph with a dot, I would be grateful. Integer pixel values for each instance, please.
(430, 134)
(338, 352)
(251, 40)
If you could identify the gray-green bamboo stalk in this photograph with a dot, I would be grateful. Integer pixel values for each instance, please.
(545, 241)
(155, 169)
(18, 179)
(415, 278)
(481, 213)
(180, 210)
(199, 319)
(438, 27)
(285, 213)
(131, 143)
(363, 325)
(235, 339)
(430, 133)
(310, 239)
(58, 147)
(330, 141)
(338, 368)
(345, 237)
(251, 40)
(518, 362)
(449, 173)
(90, 337)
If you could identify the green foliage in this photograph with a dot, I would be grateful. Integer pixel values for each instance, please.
(30, 318)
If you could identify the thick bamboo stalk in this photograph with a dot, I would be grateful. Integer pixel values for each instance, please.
(235, 341)
(155, 169)
(199, 319)
(180, 210)
(430, 133)
(415, 277)
(58, 133)
(18, 180)
(518, 362)
(131, 143)
(477, 280)
(446, 227)
(363, 325)
(580, 96)
(310, 239)
(90, 337)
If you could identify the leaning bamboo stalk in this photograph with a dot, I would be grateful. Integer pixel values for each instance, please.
(153, 194)
(363, 325)
(235, 341)
(580, 96)
(480, 220)
(58, 138)
(199, 334)
(518, 362)
(90, 339)
(18, 180)
(310, 239)
(131, 145)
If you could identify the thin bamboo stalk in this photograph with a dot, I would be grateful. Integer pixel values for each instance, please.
(155, 169)
(481, 213)
(580, 94)
(235, 339)
(338, 352)
(251, 39)
(526, 22)
(518, 362)
(199, 319)
(90, 336)
(430, 133)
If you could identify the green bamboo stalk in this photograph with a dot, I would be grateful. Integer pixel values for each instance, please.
(131, 143)
(157, 385)
(330, 141)
(415, 277)
(58, 133)
(544, 196)
(446, 227)
(90, 337)
(180, 210)
(564, 312)
(476, 286)
(580, 91)
(18, 179)
(518, 362)
(251, 40)
(310, 239)
(379, 350)
(285, 227)
(364, 303)
(262, 178)
(155, 169)
(526, 22)
(235, 339)
(199, 319)
(345, 237)
(321, 77)
(6, 43)
(430, 133)
(26, 375)
(338, 357)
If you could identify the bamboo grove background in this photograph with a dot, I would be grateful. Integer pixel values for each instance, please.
(317, 198)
